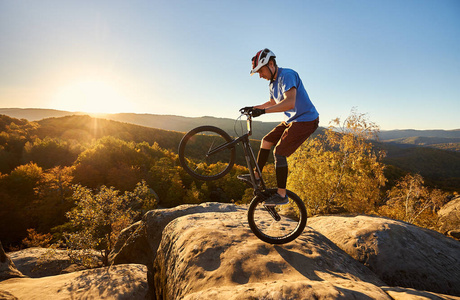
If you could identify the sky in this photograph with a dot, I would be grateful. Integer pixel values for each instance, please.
(397, 61)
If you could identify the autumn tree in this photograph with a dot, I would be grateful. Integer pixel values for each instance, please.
(340, 168)
(17, 193)
(51, 152)
(52, 198)
(14, 134)
(409, 200)
(113, 162)
(99, 217)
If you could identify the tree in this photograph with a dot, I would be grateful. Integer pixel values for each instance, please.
(23, 179)
(50, 152)
(17, 193)
(14, 134)
(52, 198)
(99, 217)
(339, 169)
(409, 200)
(113, 162)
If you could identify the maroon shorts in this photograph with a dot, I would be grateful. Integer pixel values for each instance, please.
(289, 137)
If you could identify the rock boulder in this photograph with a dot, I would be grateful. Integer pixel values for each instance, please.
(216, 256)
(400, 254)
(40, 262)
(127, 282)
(207, 251)
(449, 218)
(139, 242)
(7, 267)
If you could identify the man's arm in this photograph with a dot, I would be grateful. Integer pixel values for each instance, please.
(267, 104)
(287, 103)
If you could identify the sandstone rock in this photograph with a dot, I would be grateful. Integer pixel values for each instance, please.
(4, 295)
(399, 253)
(118, 282)
(40, 262)
(7, 267)
(399, 293)
(139, 242)
(449, 217)
(216, 256)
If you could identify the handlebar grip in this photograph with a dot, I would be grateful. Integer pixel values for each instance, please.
(247, 109)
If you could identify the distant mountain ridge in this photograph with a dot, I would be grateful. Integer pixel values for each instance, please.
(408, 133)
(184, 124)
(35, 114)
(166, 122)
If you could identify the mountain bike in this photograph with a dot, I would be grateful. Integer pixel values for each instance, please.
(208, 153)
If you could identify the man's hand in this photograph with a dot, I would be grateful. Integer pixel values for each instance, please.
(257, 112)
(246, 109)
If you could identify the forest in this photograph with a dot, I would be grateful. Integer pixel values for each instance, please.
(77, 181)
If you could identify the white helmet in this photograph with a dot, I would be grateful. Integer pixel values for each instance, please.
(261, 59)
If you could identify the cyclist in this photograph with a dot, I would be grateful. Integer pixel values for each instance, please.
(288, 95)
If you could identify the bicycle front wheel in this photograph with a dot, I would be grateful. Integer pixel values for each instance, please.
(204, 155)
(279, 224)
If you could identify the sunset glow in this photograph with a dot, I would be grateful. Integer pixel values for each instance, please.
(91, 96)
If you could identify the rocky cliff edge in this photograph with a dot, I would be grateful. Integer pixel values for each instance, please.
(208, 252)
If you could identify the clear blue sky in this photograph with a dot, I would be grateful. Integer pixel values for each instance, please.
(396, 60)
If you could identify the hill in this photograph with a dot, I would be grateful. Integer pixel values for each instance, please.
(35, 114)
(166, 122)
(441, 139)
(85, 129)
(185, 124)
(445, 143)
(386, 135)
(439, 167)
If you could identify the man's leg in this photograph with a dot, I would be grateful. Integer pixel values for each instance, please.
(267, 143)
(281, 168)
(262, 156)
(292, 138)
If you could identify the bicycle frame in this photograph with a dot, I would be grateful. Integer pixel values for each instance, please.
(248, 154)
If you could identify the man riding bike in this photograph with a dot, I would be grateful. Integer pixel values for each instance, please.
(287, 95)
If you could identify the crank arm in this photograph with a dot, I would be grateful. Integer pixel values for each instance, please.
(272, 211)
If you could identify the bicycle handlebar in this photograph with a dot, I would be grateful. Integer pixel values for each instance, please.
(247, 111)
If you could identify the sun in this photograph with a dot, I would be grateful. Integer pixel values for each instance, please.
(91, 96)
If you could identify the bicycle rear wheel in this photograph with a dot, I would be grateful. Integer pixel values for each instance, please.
(277, 224)
(195, 148)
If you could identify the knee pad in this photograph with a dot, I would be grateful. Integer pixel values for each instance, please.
(280, 161)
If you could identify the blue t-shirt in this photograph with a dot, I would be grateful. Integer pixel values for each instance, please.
(304, 109)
